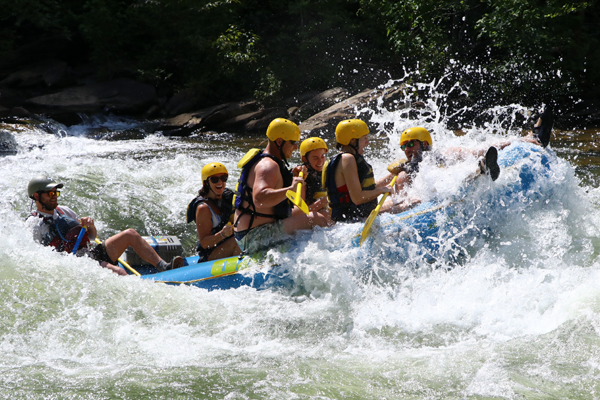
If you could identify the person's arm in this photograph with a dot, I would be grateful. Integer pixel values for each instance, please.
(204, 226)
(266, 179)
(357, 194)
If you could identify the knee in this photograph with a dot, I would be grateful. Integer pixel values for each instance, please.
(131, 233)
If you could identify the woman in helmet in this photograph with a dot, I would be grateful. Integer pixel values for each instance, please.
(313, 152)
(349, 179)
(212, 210)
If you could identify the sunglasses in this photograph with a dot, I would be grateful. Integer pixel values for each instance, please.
(52, 193)
(408, 144)
(216, 179)
(293, 142)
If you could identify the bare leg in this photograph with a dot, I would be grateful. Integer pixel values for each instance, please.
(117, 244)
(229, 248)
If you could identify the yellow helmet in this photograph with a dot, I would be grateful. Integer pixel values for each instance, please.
(311, 144)
(416, 133)
(284, 129)
(213, 169)
(350, 129)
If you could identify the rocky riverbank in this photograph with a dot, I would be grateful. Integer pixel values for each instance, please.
(54, 89)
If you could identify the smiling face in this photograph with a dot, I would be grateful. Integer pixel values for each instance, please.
(217, 184)
(48, 200)
(316, 159)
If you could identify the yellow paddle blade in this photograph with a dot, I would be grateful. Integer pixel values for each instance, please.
(133, 271)
(373, 215)
(297, 199)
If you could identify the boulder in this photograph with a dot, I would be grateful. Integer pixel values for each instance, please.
(8, 144)
(214, 120)
(260, 125)
(182, 102)
(46, 72)
(322, 101)
(187, 123)
(358, 106)
(120, 96)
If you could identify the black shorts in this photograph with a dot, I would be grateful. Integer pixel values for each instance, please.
(99, 254)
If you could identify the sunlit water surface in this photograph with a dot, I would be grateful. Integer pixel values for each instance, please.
(517, 316)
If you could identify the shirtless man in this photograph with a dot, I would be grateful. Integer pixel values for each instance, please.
(264, 216)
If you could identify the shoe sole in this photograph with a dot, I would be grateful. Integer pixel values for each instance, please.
(491, 163)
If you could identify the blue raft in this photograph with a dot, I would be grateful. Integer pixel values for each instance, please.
(531, 162)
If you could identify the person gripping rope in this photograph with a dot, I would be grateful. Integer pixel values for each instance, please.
(59, 227)
(212, 211)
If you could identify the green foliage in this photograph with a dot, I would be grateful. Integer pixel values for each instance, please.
(231, 49)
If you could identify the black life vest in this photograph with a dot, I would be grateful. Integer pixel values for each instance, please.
(342, 207)
(62, 232)
(244, 193)
(225, 204)
(314, 186)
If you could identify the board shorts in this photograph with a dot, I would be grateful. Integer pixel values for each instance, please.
(261, 238)
(100, 254)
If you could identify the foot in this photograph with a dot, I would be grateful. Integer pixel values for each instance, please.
(543, 127)
(491, 163)
(176, 262)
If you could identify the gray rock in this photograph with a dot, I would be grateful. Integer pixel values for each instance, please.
(357, 106)
(322, 101)
(48, 72)
(120, 95)
(181, 102)
(8, 144)
(187, 123)
(261, 124)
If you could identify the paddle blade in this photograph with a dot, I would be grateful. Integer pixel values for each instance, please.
(297, 199)
(368, 223)
(373, 215)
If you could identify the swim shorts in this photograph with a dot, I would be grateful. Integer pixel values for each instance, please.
(100, 254)
(261, 238)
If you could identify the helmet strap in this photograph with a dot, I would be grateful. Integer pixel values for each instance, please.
(283, 158)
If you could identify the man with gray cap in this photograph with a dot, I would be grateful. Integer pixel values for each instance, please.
(54, 226)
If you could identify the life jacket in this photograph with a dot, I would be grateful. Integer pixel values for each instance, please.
(225, 204)
(314, 186)
(342, 207)
(62, 232)
(243, 192)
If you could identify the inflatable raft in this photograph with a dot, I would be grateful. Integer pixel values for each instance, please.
(522, 164)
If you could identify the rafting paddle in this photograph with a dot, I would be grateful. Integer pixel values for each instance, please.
(296, 198)
(133, 271)
(79, 237)
(374, 214)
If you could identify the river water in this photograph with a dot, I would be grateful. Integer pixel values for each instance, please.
(517, 317)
